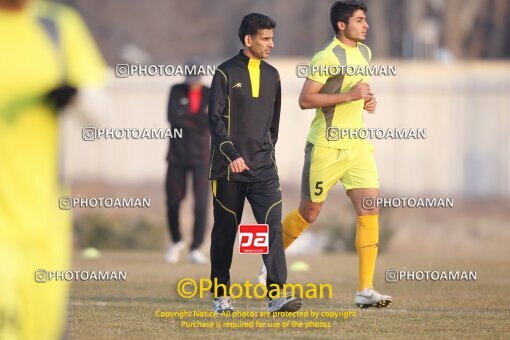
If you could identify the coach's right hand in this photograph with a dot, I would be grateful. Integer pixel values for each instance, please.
(360, 91)
(238, 165)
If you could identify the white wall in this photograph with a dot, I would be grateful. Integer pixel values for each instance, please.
(464, 106)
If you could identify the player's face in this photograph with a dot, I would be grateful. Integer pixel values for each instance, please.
(357, 28)
(261, 43)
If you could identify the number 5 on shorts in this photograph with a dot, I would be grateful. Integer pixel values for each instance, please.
(318, 186)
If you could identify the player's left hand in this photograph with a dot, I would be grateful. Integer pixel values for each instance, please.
(370, 103)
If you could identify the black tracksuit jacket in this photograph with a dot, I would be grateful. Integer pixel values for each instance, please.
(242, 125)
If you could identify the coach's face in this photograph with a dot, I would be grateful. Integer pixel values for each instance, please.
(261, 43)
(357, 28)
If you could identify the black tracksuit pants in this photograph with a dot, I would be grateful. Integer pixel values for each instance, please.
(176, 191)
(265, 199)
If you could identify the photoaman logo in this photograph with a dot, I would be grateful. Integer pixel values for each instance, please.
(253, 239)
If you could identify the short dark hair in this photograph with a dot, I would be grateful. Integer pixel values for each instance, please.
(343, 10)
(253, 22)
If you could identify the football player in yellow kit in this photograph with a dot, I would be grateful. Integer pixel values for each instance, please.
(47, 54)
(331, 156)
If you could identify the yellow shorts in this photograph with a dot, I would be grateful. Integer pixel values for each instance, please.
(354, 167)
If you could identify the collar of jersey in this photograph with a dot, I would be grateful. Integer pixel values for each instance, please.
(338, 42)
(246, 59)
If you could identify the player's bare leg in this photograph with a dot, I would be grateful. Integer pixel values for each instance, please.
(367, 242)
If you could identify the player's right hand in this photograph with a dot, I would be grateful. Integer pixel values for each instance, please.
(360, 91)
(238, 165)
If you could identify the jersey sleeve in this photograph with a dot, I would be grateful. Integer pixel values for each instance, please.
(320, 66)
(217, 102)
(84, 63)
(275, 122)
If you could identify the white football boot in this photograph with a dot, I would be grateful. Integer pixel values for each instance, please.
(370, 298)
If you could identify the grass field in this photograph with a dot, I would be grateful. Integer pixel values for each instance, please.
(126, 310)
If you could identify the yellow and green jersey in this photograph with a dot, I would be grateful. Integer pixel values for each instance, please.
(337, 67)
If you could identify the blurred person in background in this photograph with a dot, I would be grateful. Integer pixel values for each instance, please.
(188, 156)
(47, 54)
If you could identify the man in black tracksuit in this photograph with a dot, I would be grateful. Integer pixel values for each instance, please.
(187, 109)
(244, 115)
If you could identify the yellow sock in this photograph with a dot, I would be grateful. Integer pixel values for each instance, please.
(367, 240)
(293, 225)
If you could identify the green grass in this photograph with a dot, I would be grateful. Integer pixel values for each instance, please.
(126, 310)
